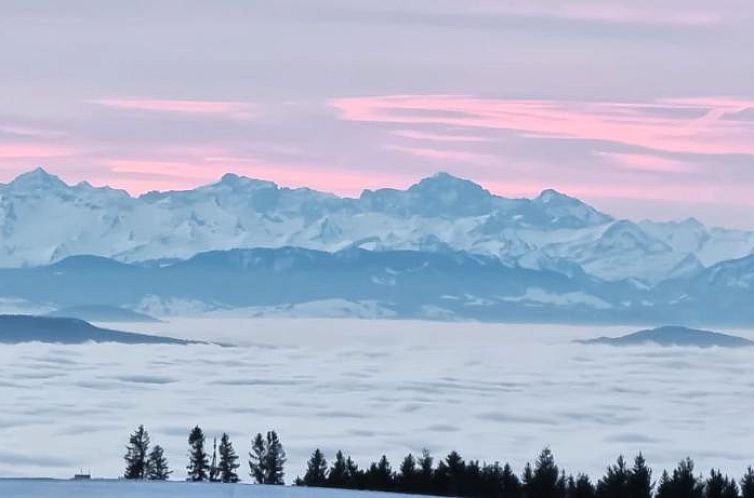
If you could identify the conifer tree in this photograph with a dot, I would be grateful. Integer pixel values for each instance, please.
(639, 483)
(338, 474)
(682, 484)
(198, 466)
(456, 473)
(257, 459)
(747, 484)
(267, 459)
(580, 487)
(509, 483)
(425, 479)
(545, 480)
(316, 471)
(615, 482)
(136, 454)
(407, 477)
(157, 465)
(228, 461)
(214, 471)
(353, 474)
(380, 475)
(274, 460)
(720, 486)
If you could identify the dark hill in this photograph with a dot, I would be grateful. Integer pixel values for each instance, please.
(674, 336)
(24, 328)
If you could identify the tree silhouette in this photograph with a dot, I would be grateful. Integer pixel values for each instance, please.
(257, 461)
(274, 460)
(198, 467)
(408, 475)
(615, 482)
(639, 484)
(316, 471)
(720, 486)
(545, 480)
(136, 454)
(338, 475)
(228, 461)
(682, 484)
(157, 465)
(580, 487)
(747, 484)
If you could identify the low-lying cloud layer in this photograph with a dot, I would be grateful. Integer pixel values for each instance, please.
(368, 387)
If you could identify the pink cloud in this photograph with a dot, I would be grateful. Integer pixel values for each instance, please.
(437, 137)
(240, 110)
(34, 151)
(645, 162)
(444, 155)
(651, 126)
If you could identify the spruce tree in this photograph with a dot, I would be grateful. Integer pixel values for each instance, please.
(267, 459)
(274, 460)
(407, 477)
(682, 484)
(198, 465)
(214, 471)
(545, 480)
(580, 487)
(615, 482)
(720, 486)
(425, 478)
(257, 459)
(136, 454)
(353, 474)
(338, 474)
(157, 465)
(747, 484)
(639, 483)
(228, 461)
(510, 486)
(456, 473)
(380, 475)
(316, 471)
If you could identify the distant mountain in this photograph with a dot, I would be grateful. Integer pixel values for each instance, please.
(102, 313)
(674, 336)
(412, 284)
(23, 328)
(43, 221)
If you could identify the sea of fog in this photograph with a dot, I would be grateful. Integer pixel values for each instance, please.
(493, 392)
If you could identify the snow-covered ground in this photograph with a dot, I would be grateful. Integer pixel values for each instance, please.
(124, 489)
(494, 392)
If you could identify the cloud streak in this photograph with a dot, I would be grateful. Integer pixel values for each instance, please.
(660, 126)
(238, 110)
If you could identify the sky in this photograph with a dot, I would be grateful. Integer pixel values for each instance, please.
(642, 108)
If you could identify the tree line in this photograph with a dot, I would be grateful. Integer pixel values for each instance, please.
(449, 476)
(266, 459)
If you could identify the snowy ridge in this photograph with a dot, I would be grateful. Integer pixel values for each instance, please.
(43, 220)
(49, 488)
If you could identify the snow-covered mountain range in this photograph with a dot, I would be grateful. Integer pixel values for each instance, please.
(444, 248)
(43, 220)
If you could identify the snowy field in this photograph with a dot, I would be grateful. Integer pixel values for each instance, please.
(494, 392)
(123, 489)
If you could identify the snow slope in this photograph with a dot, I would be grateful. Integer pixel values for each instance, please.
(40, 488)
(43, 220)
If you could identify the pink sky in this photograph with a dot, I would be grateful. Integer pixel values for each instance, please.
(628, 104)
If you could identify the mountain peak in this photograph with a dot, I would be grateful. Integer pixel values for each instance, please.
(549, 196)
(445, 181)
(233, 180)
(37, 178)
